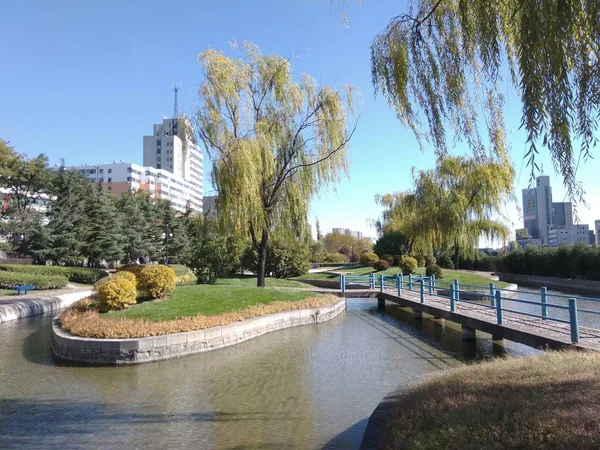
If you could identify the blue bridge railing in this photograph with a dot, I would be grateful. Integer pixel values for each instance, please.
(566, 309)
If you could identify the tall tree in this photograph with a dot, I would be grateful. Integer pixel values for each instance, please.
(102, 232)
(173, 232)
(138, 226)
(274, 142)
(451, 206)
(443, 63)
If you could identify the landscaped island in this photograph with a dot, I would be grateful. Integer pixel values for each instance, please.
(550, 401)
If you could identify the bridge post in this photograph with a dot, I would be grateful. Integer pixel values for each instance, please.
(371, 281)
(573, 320)
(422, 290)
(499, 307)
(456, 289)
(492, 299)
(433, 279)
(410, 281)
(401, 284)
(467, 333)
(452, 300)
(343, 283)
(380, 303)
(380, 283)
(430, 284)
(544, 294)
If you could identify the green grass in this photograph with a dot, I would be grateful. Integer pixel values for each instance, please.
(8, 292)
(250, 281)
(188, 301)
(543, 402)
(463, 276)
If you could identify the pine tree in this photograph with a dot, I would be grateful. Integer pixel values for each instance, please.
(102, 233)
(138, 226)
(174, 234)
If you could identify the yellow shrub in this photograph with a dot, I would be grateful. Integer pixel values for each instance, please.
(131, 268)
(184, 280)
(116, 292)
(157, 280)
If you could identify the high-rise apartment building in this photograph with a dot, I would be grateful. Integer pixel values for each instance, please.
(597, 229)
(544, 206)
(530, 212)
(164, 150)
(562, 214)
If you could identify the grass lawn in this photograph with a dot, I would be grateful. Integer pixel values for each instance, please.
(250, 281)
(11, 292)
(463, 276)
(551, 401)
(210, 300)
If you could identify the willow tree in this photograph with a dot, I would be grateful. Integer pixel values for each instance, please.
(441, 64)
(452, 206)
(274, 142)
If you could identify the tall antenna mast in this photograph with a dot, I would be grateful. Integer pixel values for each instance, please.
(175, 106)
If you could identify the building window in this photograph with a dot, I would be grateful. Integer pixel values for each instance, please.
(101, 180)
(109, 170)
(109, 179)
(158, 142)
(158, 165)
(100, 170)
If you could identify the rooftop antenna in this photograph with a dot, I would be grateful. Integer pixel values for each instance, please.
(175, 106)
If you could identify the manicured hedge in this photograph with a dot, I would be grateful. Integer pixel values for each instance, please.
(10, 280)
(74, 274)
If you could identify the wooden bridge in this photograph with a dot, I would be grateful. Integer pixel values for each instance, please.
(551, 322)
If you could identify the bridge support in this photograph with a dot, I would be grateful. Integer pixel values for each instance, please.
(497, 338)
(417, 314)
(468, 333)
(380, 303)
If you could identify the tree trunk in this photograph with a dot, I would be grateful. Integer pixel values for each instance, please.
(456, 257)
(262, 260)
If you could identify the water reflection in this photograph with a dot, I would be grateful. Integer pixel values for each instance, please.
(304, 387)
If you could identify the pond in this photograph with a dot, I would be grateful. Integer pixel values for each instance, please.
(305, 387)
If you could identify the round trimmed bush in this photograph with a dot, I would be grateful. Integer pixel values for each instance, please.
(408, 265)
(380, 265)
(446, 262)
(420, 260)
(157, 280)
(131, 268)
(368, 259)
(430, 260)
(388, 258)
(434, 269)
(116, 292)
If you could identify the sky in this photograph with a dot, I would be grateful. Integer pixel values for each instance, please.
(83, 81)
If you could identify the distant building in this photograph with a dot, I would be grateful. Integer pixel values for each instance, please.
(530, 212)
(597, 229)
(572, 234)
(592, 240)
(209, 206)
(120, 177)
(348, 232)
(562, 214)
(522, 233)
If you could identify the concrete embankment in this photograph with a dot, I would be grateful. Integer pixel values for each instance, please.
(157, 348)
(570, 285)
(31, 305)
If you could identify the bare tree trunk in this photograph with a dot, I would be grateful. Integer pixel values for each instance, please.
(456, 257)
(262, 260)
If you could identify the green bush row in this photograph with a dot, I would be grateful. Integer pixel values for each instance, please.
(9, 280)
(73, 274)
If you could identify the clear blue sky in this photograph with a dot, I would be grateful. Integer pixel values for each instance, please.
(85, 80)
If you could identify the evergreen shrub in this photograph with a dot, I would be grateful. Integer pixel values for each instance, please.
(116, 292)
(9, 280)
(157, 280)
(388, 258)
(446, 262)
(368, 259)
(434, 269)
(408, 265)
(380, 265)
(430, 260)
(73, 274)
(420, 260)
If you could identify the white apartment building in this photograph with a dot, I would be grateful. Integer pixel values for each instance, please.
(119, 177)
(572, 234)
(164, 150)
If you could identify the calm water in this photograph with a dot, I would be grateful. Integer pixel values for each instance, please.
(308, 387)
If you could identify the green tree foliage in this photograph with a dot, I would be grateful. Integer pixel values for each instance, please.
(139, 226)
(451, 206)
(274, 142)
(391, 243)
(26, 182)
(102, 240)
(441, 65)
(173, 230)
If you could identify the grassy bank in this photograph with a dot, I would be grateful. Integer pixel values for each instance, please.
(463, 276)
(250, 281)
(190, 308)
(550, 401)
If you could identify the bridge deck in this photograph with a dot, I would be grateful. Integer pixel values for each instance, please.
(531, 331)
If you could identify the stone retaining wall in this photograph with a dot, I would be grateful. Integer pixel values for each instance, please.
(569, 285)
(23, 307)
(156, 348)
